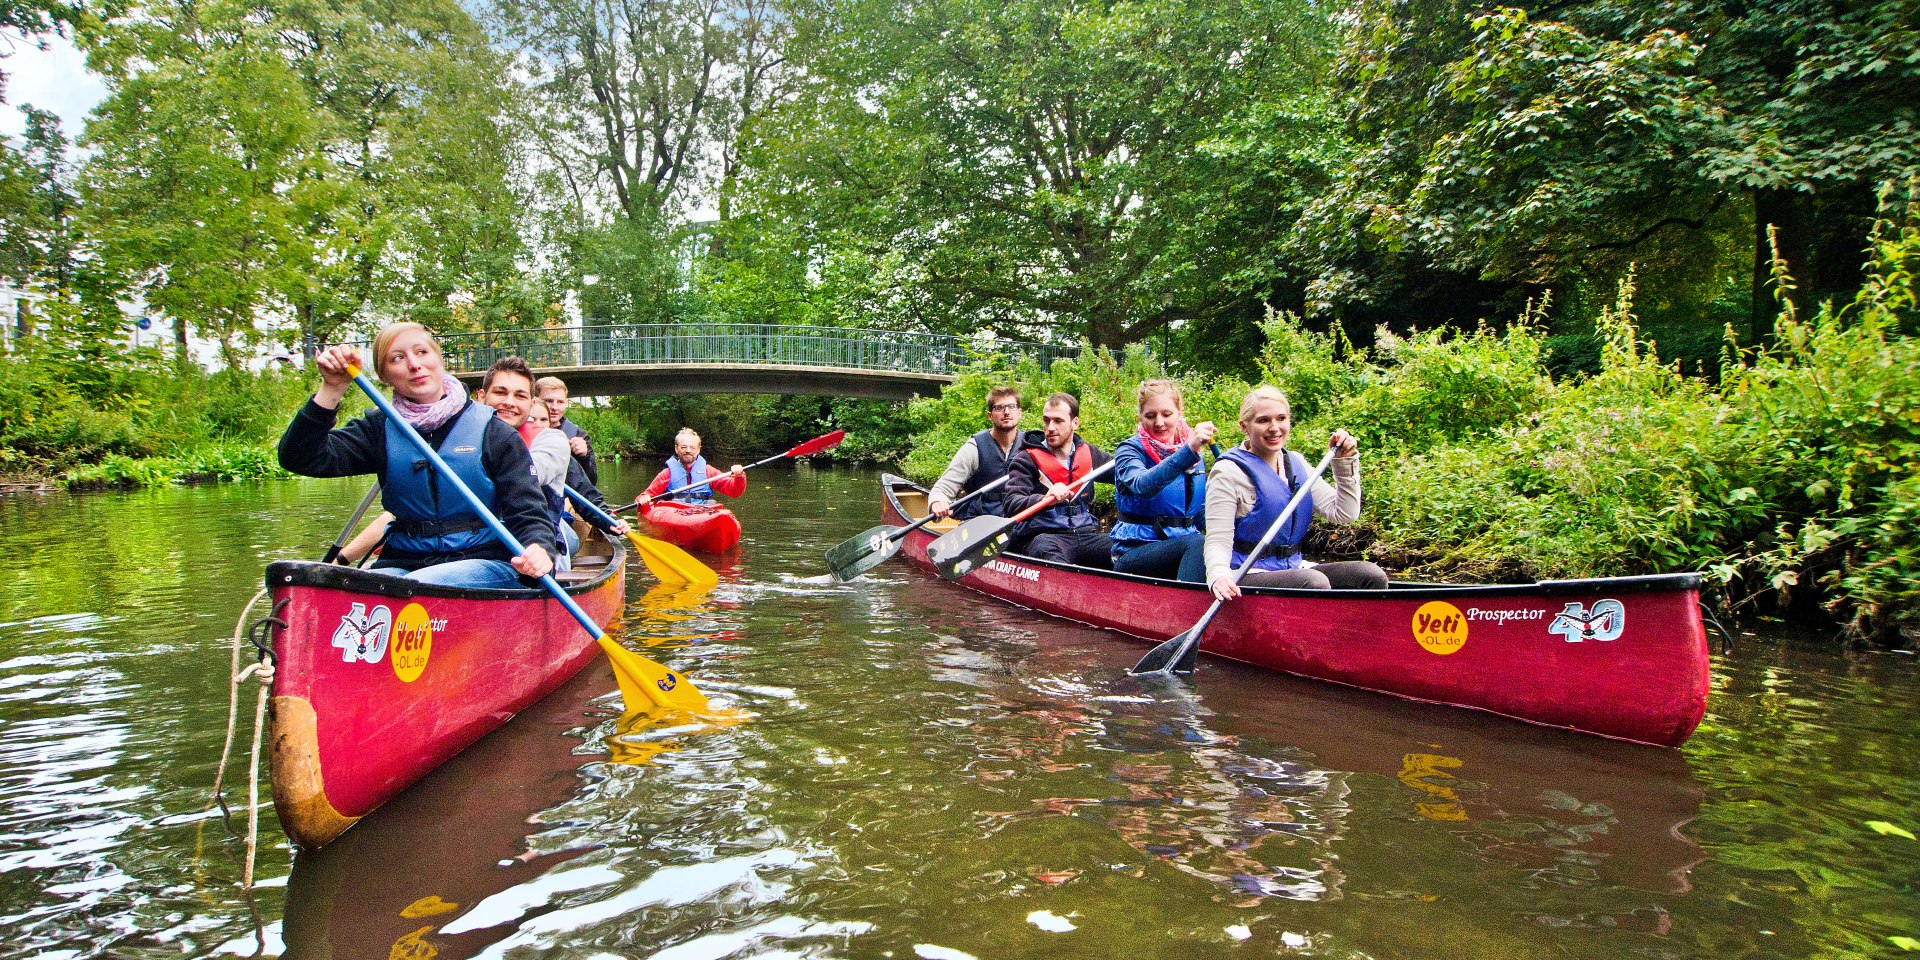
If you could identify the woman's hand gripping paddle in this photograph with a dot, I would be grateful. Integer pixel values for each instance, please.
(818, 444)
(1178, 654)
(669, 563)
(955, 554)
(857, 555)
(640, 679)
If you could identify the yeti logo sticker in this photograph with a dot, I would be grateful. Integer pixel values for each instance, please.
(363, 637)
(1607, 621)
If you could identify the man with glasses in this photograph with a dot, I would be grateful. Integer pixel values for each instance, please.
(981, 461)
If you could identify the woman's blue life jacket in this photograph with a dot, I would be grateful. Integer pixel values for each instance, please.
(1271, 493)
(679, 475)
(1177, 509)
(427, 518)
(992, 466)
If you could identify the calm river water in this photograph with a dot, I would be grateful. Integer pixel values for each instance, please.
(928, 774)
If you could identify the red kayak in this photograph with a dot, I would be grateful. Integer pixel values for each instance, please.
(379, 680)
(708, 529)
(1622, 657)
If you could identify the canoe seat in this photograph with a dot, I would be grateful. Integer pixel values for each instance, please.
(590, 560)
(576, 575)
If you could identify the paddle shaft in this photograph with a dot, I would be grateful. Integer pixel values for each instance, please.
(929, 518)
(480, 509)
(366, 502)
(1191, 638)
(757, 463)
(594, 513)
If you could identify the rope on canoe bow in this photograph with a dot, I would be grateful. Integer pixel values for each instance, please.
(260, 635)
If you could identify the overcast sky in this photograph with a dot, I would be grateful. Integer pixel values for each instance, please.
(53, 79)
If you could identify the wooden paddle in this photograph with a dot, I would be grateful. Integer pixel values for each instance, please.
(857, 555)
(669, 563)
(961, 549)
(816, 445)
(640, 679)
(1179, 653)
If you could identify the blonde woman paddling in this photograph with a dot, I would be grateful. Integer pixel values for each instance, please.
(1249, 488)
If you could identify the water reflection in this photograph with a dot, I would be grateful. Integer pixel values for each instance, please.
(927, 773)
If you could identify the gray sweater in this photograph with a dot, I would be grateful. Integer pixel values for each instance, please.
(1230, 496)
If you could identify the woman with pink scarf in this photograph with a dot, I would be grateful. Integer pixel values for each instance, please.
(1160, 486)
(435, 537)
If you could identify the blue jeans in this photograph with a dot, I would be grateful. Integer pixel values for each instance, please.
(1181, 558)
(492, 574)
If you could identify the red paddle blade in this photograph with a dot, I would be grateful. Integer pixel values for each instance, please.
(817, 444)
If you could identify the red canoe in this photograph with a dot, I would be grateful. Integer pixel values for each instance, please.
(708, 529)
(1622, 657)
(379, 680)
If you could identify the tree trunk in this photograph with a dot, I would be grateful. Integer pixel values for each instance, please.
(1785, 211)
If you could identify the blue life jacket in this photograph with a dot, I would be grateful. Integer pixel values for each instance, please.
(1175, 510)
(679, 476)
(428, 519)
(1271, 493)
(992, 466)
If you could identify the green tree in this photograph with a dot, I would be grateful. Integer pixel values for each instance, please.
(1097, 170)
(330, 161)
(1537, 150)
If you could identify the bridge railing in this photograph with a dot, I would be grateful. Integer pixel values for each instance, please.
(743, 343)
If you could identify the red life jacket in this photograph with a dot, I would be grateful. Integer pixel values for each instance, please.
(1058, 472)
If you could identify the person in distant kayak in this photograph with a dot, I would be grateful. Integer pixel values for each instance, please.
(688, 466)
(1160, 486)
(1049, 461)
(980, 461)
(435, 536)
(1249, 488)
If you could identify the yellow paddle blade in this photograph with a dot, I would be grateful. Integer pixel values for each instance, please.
(644, 682)
(669, 563)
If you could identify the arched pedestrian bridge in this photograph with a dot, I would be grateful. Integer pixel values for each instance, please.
(660, 358)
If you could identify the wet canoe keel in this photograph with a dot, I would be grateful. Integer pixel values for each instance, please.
(1621, 657)
(379, 680)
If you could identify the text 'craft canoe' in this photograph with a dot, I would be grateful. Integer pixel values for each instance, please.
(378, 680)
(698, 527)
(1622, 657)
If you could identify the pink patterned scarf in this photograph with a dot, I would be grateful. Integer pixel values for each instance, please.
(427, 417)
(1157, 451)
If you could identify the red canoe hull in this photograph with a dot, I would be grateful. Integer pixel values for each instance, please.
(1622, 657)
(379, 680)
(707, 529)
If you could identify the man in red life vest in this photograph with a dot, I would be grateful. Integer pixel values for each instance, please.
(1049, 460)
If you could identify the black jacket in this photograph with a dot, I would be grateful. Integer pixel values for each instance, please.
(312, 447)
(569, 429)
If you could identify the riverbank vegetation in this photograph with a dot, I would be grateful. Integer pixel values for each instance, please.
(1793, 481)
(1496, 239)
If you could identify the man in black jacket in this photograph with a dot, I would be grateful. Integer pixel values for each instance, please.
(1049, 461)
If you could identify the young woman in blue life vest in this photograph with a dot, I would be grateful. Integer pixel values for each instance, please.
(1160, 487)
(1249, 488)
(688, 466)
(435, 537)
(980, 461)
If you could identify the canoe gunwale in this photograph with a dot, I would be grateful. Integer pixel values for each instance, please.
(1643, 583)
(333, 576)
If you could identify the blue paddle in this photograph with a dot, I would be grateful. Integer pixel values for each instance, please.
(639, 678)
